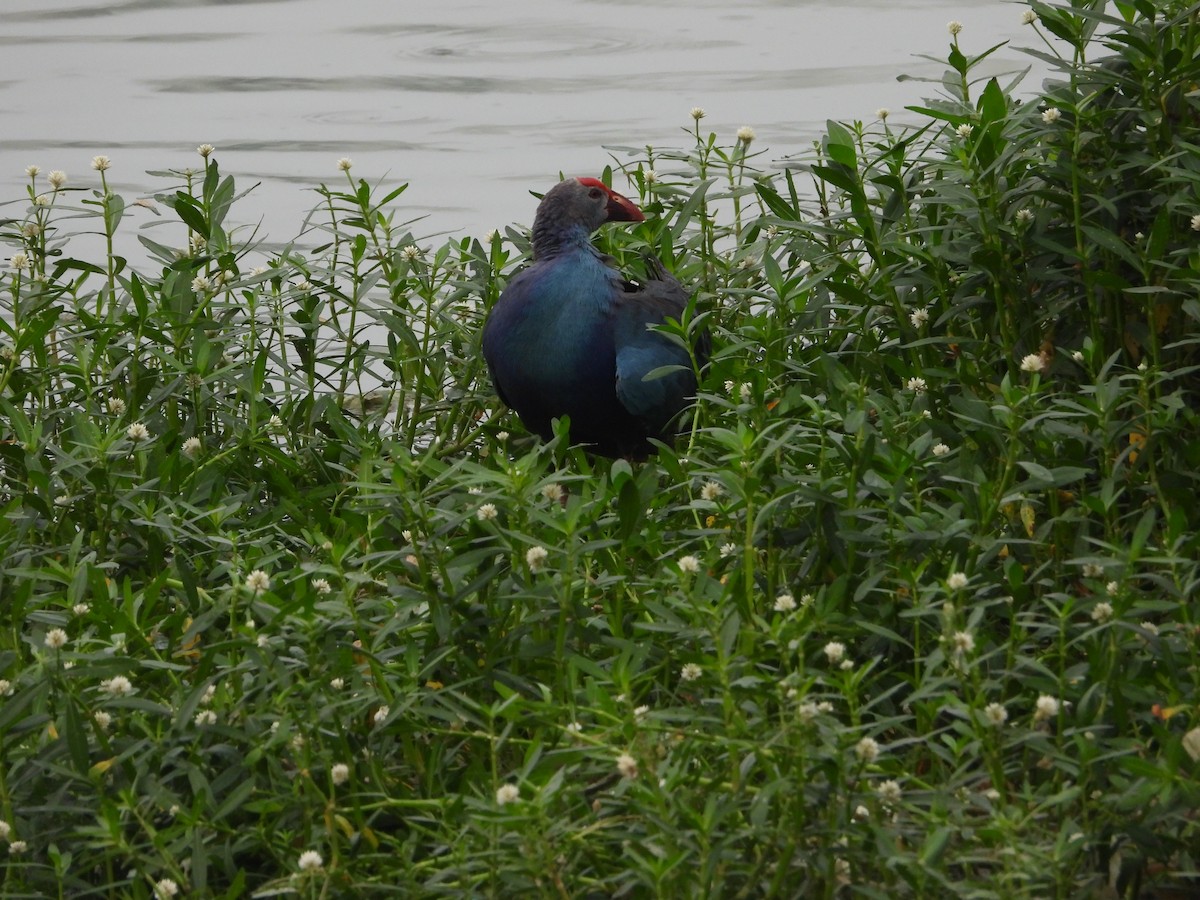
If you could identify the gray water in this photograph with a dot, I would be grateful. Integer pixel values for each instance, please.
(472, 103)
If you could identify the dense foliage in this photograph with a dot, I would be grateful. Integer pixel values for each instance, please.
(291, 605)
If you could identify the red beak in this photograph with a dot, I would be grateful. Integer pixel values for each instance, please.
(621, 209)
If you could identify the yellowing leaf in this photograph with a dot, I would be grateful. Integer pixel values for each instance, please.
(1028, 518)
(103, 766)
(1137, 440)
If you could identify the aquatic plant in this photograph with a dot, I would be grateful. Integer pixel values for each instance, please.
(292, 604)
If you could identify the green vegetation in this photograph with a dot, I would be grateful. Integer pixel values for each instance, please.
(911, 611)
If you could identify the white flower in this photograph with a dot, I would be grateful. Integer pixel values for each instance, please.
(639, 712)
(1196, 222)
(5, 830)
(889, 792)
(1046, 708)
(339, 773)
(337, 683)
(137, 432)
(954, 27)
(1148, 627)
(191, 448)
(861, 813)
(1051, 115)
(689, 565)
(553, 491)
(807, 711)
(1024, 216)
(835, 651)
(575, 728)
(957, 581)
(380, 715)
(102, 719)
(16, 848)
(1028, 17)
(1033, 363)
(919, 317)
(258, 581)
(867, 749)
(205, 150)
(728, 550)
(19, 261)
(412, 252)
(651, 176)
(32, 171)
(486, 512)
(165, 888)
(202, 284)
(310, 861)
(206, 717)
(964, 130)
(507, 793)
(697, 113)
(1102, 612)
(56, 638)
(101, 163)
(1092, 570)
(81, 609)
(711, 490)
(1111, 588)
(746, 134)
(882, 113)
(535, 558)
(940, 449)
(41, 200)
(344, 164)
(964, 641)
(917, 385)
(118, 686)
(322, 586)
(785, 603)
(6, 687)
(627, 766)
(690, 672)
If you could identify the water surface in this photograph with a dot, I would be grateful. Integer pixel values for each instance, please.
(472, 103)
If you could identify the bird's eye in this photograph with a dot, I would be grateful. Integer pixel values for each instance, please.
(595, 193)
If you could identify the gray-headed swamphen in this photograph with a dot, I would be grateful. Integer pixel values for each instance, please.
(570, 335)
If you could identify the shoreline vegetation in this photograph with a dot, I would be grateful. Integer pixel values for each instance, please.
(292, 606)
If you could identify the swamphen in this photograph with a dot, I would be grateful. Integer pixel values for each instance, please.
(570, 336)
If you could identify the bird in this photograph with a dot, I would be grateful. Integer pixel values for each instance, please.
(572, 336)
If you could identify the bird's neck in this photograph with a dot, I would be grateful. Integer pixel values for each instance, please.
(553, 239)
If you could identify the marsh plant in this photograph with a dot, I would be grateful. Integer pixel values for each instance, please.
(290, 604)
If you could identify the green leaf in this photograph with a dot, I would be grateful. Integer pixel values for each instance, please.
(186, 209)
